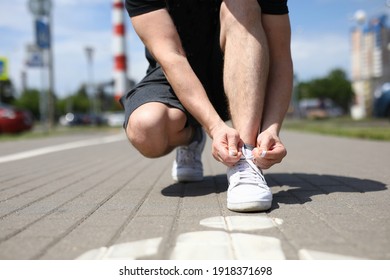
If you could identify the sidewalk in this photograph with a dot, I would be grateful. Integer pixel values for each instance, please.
(105, 201)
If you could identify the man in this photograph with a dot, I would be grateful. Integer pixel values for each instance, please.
(210, 61)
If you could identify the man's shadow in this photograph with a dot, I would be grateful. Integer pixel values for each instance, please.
(288, 188)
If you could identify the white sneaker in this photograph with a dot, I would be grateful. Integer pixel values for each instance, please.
(188, 167)
(248, 190)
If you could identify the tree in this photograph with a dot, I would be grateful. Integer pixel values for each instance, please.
(29, 100)
(77, 103)
(334, 86)
(7, 91)
(340, 88)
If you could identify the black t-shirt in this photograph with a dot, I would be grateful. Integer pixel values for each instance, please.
(138, 7)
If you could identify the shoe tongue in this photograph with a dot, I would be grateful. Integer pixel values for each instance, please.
(247, 152)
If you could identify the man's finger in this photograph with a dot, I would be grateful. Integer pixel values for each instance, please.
(233, 141)
(263, 149)
(264, 146)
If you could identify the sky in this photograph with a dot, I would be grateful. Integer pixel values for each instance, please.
(320, 39)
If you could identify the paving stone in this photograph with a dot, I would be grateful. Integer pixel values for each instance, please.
(106, 201)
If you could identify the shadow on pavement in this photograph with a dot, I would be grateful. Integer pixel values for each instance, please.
(300, 186)
(210, 184)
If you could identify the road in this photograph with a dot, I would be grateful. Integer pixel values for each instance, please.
(92, 196)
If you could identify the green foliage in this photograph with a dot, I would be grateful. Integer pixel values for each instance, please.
(29, 100)
(79, 102)
(335, 86)
(7, 91)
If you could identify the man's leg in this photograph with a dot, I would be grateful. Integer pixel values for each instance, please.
(156, 129)
(245, 48)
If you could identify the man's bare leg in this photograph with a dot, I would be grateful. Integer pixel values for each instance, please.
(245, 48)
(156, 129)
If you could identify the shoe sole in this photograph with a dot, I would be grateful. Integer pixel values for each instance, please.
(187, 178)
(255, 206)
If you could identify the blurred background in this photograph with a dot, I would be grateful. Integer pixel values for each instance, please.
(65, 63)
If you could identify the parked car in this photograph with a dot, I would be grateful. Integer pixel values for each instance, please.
(316, 108)
(73, 119)
(382, 101)
(114, 119)
(14, 120)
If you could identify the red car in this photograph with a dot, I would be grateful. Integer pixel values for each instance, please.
(13, 120)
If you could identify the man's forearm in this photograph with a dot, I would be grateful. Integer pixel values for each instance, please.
(190, 91)
(159, 34)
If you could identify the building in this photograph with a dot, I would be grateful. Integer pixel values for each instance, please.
(370, 49)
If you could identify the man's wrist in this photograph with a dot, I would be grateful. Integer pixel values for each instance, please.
(213, 127)
(273, 128)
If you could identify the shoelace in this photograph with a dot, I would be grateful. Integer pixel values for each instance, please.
(248, 171)
(186, 155)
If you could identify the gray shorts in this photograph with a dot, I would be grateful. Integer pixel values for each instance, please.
(155, 88)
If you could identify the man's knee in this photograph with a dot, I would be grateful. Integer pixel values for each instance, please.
(238, 17)
(146, 131)
(244, 12)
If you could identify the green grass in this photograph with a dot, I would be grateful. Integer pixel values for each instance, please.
(373, 129)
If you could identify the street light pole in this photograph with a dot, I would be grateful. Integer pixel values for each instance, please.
(50, 101)
(41, 9)
(91, 88)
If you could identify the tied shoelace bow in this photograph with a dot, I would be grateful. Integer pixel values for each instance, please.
(248, 171)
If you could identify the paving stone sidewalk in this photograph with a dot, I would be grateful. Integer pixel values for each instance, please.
(105, 201)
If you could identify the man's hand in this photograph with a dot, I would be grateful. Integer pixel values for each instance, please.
(269, 151)
(227, 144)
